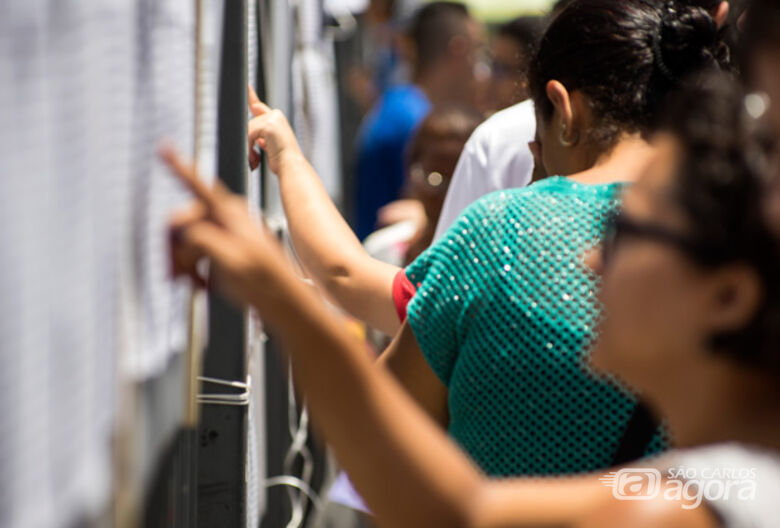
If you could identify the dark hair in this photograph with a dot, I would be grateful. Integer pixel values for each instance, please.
(625, 57)
(709, 5)
(720, 186)
(452, 123)
(525, 31)
(559, 6)
(433, 27)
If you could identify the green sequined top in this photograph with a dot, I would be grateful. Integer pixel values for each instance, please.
(504, 312)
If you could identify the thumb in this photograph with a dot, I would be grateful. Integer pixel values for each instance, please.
(207, 239)
(257, 130)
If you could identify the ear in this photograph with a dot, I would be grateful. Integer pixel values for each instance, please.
(721, 14)
(561, 100)
(735, 295)
(594, 260)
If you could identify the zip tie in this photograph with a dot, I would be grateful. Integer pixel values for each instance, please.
(240, 399)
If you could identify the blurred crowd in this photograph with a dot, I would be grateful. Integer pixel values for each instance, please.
(439, 62)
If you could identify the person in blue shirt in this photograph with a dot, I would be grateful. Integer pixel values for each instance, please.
(443, 46)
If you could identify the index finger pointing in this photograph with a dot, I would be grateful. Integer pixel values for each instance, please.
(255, 104)
(253, 98)
(187, 175)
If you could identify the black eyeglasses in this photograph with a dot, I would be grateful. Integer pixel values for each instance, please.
(501, 69)
(620, 226)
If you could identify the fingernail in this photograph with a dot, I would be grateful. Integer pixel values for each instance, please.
(165, 147)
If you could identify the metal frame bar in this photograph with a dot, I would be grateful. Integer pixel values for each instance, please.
(223, 428)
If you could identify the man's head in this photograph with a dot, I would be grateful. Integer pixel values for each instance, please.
(444, 38)
(512, 50)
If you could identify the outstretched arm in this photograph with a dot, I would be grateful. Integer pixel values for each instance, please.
(329, 250)
(408, 471)
(381, 437)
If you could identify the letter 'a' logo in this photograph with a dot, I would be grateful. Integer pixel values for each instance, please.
(634, 483)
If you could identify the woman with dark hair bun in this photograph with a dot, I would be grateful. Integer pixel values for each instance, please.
(624, 58)
(692, 297)
(502, 312)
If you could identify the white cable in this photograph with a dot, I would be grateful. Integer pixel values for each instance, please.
(294, 482)
(299, 434)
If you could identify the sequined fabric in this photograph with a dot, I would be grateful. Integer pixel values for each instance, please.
(504, 312)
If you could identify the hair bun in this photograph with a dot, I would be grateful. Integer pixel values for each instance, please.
(688, 40)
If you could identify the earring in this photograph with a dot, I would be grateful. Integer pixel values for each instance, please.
(565, 142)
